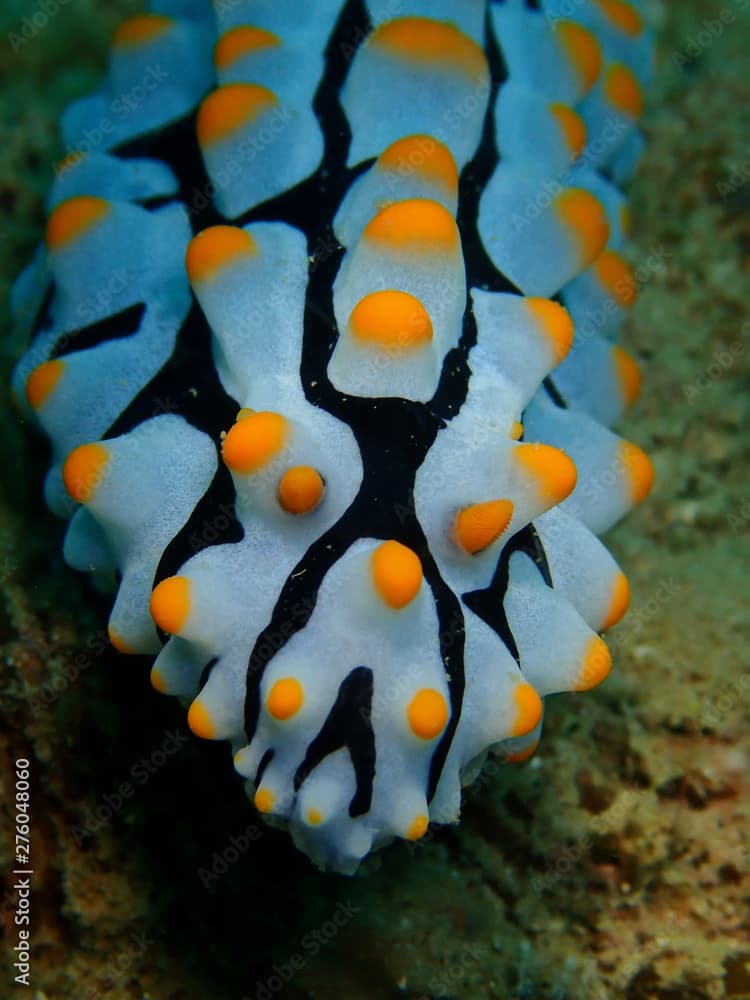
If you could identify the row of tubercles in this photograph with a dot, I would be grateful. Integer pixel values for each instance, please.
(393, 333)
(617, 281)
(394, 317)
(386, 315)
(257, 439)
(396, 576)
(479, 525)
(250, 445)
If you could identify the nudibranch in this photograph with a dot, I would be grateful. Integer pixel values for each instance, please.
(323, 340)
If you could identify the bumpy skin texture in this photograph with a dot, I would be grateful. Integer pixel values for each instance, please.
(316, 408)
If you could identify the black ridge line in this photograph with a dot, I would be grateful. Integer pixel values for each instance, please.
(528, 4)
(176, 145)
(554, 393)
(155, 201)
(391, 515)
(394, 434)
(311, 206)
(480, 271)
(348, 724)
(206, 672)
(489, 603)
(43, 319)
(454, 382)
(118, 326)
(265, 760)
(188, 385)
(549, 384)
(213, 521)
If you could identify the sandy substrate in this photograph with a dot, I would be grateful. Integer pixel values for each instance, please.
(615, 863)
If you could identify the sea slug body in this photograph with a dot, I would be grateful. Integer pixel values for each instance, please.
(323, 340)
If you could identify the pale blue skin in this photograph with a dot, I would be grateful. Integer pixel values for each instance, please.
(159, 470)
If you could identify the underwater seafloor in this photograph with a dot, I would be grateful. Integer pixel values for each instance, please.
(615, 863)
